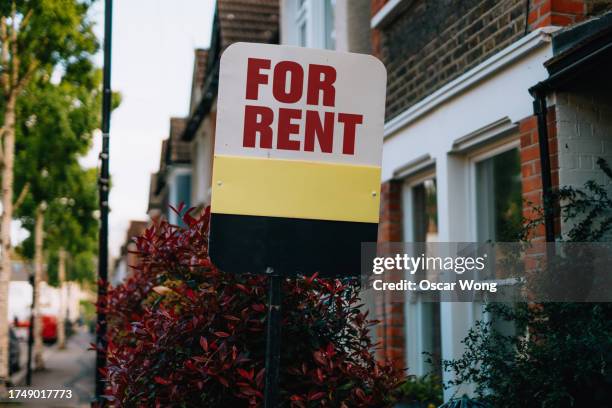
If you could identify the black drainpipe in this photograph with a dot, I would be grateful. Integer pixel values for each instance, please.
(540, 110)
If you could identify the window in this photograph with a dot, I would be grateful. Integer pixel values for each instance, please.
(310, 23)
(180, 192)
(424, 212)
(421, 215)
(499, 203)
(302, 23)
(499, 208)
(330, 31)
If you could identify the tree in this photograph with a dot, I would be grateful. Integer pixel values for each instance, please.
(35, 36)
(59, 197)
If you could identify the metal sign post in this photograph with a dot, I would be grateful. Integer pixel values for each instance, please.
(273, 339)
(296, 170)
(104, 185)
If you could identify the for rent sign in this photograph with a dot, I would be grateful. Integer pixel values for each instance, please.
(296, 172)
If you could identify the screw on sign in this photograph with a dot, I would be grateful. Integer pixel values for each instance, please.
(296, 170)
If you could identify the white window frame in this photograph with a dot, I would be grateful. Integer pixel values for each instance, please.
(484, 153)
(313, 14)
(413, 306)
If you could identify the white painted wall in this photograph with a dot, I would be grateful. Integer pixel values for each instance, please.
(584, 131)
(201, 159)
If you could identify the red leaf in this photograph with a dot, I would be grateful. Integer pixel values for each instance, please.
(312, 278)
(258, 307)
(221, 334)
(204, 343)
(316, 396)
(161, 381)
(223, 381)
(246, 374)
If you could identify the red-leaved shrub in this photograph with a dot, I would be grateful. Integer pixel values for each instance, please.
(183, 333)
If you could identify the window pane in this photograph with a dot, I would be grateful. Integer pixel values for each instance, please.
(302, 34)
(499, 197)
(425, 212)
(330, 29)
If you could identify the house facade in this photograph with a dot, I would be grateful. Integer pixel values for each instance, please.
(170, 186)
(234, 21)
(128, 259)
(462, 156)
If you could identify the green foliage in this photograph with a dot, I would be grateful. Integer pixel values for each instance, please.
(562, 356)
(420, 391)
(53, 33)
(57, 130)
(57, 113)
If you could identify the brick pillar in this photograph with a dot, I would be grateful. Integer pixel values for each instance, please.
(390, 331)
(531, 170)
(562, 13)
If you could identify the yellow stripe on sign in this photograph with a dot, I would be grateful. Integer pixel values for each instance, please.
(295, 189)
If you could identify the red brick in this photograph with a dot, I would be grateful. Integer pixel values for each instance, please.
(377, 5)
(546, 7)
(527, 169)
(561, 20)
(533, 16)
(526, 139)
(532, 198)
(528, 124)
(532, 183)
(530, 153)
(554, 161)
(543, 22)
(568, 6)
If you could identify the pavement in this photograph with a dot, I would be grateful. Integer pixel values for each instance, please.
(70, 369)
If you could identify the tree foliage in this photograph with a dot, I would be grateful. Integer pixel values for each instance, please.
(56, 130)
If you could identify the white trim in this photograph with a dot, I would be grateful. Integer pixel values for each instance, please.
(384, 13)
(485, 135)
(414, 166)
(513, 52)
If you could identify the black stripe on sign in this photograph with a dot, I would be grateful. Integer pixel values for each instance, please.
(250, 244)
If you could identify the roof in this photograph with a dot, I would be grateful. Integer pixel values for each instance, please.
(199, 67)
(154, 198)
(135, 229)
(581, 55)
(200, 63)
(235, 21)
(247, 20)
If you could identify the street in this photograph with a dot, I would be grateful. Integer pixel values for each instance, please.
(69, 369)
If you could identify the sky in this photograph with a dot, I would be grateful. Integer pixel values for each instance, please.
(152, 67)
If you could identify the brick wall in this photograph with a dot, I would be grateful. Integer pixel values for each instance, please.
(584, 129)
(431, 43)
(564, 12)
(531, 170)
(391, 330)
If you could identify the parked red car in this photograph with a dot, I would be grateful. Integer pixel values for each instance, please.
(49, 328)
